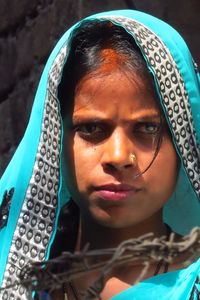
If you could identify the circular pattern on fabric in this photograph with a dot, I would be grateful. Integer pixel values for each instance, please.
(176, 108)
(14, 257)
(22, 230)
(26, 248)
(45, 240)
(5, 295)
(163, 70)
(30, 234)
(41, 255)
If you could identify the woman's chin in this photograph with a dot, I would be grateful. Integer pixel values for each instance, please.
(109, 218)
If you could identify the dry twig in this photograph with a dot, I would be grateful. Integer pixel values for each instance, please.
(147, 249)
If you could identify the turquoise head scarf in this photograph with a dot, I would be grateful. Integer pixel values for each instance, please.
(35, 171)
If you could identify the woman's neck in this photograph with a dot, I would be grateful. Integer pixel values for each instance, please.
(99, 237)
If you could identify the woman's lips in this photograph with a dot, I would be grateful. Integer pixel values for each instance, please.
(115, 192)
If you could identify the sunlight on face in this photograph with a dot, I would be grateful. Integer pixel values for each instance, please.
(113, 117)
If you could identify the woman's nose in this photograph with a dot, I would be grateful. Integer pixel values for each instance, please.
(118, 151)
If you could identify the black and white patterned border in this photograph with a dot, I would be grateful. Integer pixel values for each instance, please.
(37, 216)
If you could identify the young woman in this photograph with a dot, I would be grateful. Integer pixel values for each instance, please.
(111, 152)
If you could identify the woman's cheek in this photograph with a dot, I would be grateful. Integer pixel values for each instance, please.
(162, 175)
(85, 161)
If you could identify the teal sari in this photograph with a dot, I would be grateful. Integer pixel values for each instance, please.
(35, 173)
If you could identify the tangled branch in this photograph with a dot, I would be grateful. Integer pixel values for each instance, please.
(145, 250)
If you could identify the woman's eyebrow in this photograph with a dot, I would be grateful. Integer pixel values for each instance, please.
(149, 117)
(92, 119)
(81, 119)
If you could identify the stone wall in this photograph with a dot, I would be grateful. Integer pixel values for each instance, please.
(30, 29)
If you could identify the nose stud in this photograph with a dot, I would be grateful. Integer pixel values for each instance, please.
(132, 158)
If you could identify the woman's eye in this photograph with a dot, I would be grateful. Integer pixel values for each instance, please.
(147, 128)
(91, 131)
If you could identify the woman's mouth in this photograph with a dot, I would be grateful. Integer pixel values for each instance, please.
(115, 192)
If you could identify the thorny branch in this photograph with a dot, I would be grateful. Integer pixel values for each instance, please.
(147, 249)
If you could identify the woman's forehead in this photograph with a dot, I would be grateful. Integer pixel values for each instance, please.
(114, 91)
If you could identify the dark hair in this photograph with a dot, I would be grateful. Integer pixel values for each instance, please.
(67, 230)
(85, 56)
(86, 44)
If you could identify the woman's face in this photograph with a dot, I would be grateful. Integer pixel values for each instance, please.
(115, 116)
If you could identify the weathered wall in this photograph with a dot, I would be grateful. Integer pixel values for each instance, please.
(30, 29)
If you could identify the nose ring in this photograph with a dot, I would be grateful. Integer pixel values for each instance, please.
(132, 158)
